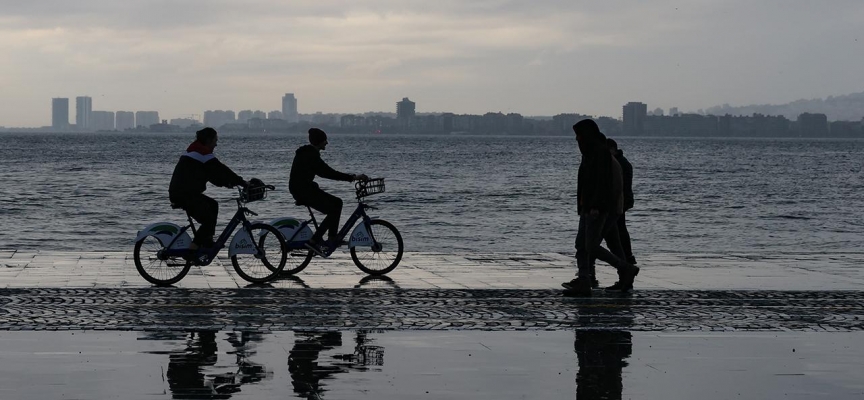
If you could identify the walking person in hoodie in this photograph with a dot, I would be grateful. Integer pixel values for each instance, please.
(189, 181)
(627, 170)
(306, 166)
(597, 198)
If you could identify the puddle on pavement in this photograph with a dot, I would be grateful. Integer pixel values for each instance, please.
(436, 364)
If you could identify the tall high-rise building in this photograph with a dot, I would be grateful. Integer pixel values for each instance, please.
(102, 120)
(124, 120)
(289, 108)
(634, 118)
(146, 118)
(405, 109)
(83, 109)
(60, 113)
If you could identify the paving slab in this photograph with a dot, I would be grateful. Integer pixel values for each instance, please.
(806, 271)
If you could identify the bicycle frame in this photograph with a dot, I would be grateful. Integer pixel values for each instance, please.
(358, 214)
(238, 218)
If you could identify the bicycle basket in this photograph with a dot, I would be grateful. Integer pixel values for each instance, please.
(253, 193)
(370, 187)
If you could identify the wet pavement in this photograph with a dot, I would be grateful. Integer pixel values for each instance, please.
(436, 365)
(85, 325)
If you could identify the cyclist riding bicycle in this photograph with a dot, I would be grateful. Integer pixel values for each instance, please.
(306, 165)
(194, 169)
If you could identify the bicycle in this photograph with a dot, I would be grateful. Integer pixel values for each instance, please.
(379, 236)
(164, 246)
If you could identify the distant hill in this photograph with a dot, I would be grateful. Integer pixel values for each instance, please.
(848, 107)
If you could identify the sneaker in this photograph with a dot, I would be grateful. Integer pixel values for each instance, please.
(319, 249)
(579, 287)
(626, 277)
(619, 287)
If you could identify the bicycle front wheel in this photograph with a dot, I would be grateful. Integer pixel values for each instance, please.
(269, 258)
(384, 254)
(161, 272)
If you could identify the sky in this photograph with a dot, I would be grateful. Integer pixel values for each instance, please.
(539, 57)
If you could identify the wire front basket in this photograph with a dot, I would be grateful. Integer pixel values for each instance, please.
(253, 193)
(369, 187)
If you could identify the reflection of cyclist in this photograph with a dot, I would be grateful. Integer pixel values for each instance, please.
(308, 164)
(195, 168)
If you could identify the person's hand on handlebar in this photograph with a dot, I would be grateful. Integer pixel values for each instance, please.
(360, 177)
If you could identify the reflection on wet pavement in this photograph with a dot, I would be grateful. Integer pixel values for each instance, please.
(314, 364)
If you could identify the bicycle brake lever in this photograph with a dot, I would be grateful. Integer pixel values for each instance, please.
(250, 212)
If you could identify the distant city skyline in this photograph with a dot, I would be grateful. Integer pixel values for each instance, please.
(536, 58)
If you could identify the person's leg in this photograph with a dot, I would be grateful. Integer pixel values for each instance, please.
(582, 259)
(605, 255)
(625, 239)
(206, 211)
(612, 236)
(331, 206)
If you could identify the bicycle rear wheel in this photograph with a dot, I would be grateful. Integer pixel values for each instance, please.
(269, 259)
(158, 272)
(385, 253)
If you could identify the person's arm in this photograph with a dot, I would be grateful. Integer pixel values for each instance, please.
(325, 171)
(220, 175)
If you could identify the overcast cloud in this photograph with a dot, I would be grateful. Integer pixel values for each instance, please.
(532, 57)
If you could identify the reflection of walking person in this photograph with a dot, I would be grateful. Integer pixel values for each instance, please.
(598, 198)
(601, 356)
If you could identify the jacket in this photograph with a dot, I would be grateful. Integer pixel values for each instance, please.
(306, 166)
(197, 167)
(627, 171)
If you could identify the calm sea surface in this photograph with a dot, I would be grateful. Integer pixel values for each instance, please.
(87, 192)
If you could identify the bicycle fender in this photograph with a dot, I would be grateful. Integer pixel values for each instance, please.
(360, 236)
(241, 243)
(165, 233)
(290, 228)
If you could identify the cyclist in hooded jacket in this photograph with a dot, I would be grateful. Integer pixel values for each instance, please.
(194, 169)
(306, 166)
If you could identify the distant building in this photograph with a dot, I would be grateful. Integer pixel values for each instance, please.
(673, 111)
(289, 108)
(634, 118)
(60, 113)
(83, 109)
(275, 114)
(813, 125)
(405, 109)
(259, 114)
(217, 118)
(658, 112)
(124, 120)
(102, 120)
(146, 118)
(185, 122)
(244, 116)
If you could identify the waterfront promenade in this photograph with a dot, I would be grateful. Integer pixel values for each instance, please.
(441, 326)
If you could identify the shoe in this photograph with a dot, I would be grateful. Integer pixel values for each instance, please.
(619, 287)
(625, 279)
(320, 249)
(579, 287)
(631, 260)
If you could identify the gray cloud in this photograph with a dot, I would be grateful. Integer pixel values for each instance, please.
(539, 57)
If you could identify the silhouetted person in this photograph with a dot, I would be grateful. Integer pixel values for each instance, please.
(194, 169)
(627, 170)
(610, 230)
(306, 166)
(597, 198)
